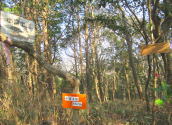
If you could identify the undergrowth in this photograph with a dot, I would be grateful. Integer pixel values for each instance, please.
(18, 106)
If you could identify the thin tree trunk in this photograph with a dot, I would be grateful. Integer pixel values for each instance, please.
(47, 46)
(154, 77)
(133, 68)
(75, 60)
(169, 69)
(127, 85)
(129, 41)
(94, 56)
(80, 53)
(88, 79)
(147, 83)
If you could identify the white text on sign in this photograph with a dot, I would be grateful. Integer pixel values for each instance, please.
(77, 104)
(71, 98)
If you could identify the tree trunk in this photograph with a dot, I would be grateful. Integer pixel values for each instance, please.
(133, 68)
(127, 85)
(169, 69)
(80, 54)
(129, 42)
(88, 78)
(94, 57)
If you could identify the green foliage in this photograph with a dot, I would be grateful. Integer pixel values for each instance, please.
(54, 21)
(159, 102)
(16, 9)
(166, 8)
(12, 10)
(108, 21)
(166, 91)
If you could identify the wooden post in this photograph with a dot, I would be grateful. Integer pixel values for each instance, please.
(75, 115)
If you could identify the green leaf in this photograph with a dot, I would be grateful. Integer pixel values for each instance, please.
(159, 102)
(12, 10)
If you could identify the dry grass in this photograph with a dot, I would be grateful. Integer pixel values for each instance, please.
(19, 107)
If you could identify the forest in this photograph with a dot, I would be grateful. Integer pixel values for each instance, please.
(117, 54)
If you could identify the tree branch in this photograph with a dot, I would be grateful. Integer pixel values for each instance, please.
(28, 47)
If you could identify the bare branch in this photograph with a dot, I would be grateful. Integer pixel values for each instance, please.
(28, 47)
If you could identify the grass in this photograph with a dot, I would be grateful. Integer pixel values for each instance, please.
(121, 112)
(19, 107)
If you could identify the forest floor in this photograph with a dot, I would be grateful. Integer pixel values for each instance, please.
(134, 112)
(18, 108)
(116, 112)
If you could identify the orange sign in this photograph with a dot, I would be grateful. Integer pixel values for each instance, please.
(75, 101)
(163, 47)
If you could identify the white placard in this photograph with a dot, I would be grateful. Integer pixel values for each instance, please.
(71, 98)
(17, 28)
(77, 104)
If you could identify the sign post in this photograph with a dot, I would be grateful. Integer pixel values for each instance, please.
(74, 101)
(16, 28)
(164, 47)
